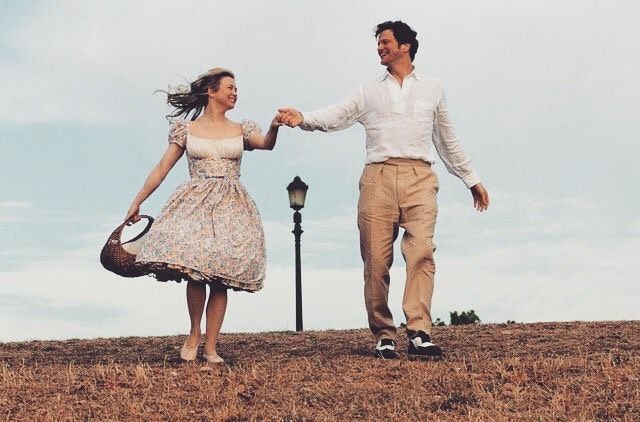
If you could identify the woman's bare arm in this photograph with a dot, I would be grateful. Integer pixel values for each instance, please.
(155, 178)
(268, 140)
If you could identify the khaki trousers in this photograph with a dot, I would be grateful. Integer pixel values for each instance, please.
(398, 193)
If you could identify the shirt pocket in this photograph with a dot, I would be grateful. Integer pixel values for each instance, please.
(423, 111)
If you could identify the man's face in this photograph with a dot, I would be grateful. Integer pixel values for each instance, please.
(388, 48)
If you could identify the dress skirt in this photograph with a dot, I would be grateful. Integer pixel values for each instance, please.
(209, 230)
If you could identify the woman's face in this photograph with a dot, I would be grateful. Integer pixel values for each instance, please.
(227, 94)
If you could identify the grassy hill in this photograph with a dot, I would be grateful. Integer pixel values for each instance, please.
(543, 371)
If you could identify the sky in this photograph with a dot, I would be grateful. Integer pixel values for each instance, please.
(543, 94)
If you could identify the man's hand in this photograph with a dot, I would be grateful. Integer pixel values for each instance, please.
(480, 197)
(290, 116)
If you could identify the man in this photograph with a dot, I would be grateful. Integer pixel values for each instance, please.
(403, 112)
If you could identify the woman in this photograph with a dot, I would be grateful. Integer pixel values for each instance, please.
(209, 231)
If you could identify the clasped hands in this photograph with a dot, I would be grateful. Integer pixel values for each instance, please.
(292, 118)
(288, 116)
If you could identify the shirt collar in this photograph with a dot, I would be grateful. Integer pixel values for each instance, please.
(415, 74)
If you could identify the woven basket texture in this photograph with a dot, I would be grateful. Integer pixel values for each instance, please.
(116, 259)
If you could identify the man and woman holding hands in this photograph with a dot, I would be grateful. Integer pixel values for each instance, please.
(210, 233)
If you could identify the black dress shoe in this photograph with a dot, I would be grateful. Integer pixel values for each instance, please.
(386, 349)
(420, 347)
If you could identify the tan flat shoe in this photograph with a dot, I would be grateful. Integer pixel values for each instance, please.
(189, 353)
(214, 358)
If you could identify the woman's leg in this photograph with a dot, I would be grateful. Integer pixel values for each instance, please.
(196, 296)
(216, 307)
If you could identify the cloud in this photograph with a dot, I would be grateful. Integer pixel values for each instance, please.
(73, 297)
(11, 207)
(13, 204)
(543, 281)
(332, 241)
(519, 217)
(106, 60)
(16, 252)
(560, 247)
(25, 307)
(77, 298)
(35, 213)
(564, 275)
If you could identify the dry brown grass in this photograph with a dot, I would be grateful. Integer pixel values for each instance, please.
(544, 371)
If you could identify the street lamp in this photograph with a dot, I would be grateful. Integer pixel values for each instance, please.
(297, 194)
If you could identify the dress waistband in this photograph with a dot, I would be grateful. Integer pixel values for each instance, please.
(214, 168)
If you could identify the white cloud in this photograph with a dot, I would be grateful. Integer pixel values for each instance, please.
(12, 207)
(560, 248)
(86, 301)
(635, 226)
(16, 252)
(544, 281)
(99, 62)
(75, 297)
(14, 204)
(107, 59)
(28, 215)
(517, 217)
(573, 275)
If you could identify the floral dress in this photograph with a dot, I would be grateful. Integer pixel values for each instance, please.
(210, 229)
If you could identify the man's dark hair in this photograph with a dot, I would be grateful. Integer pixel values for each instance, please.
(402, 33)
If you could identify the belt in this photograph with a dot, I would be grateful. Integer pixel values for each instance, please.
(405, 162)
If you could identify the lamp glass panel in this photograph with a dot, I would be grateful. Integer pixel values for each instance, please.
(292, 198)
(300, 197)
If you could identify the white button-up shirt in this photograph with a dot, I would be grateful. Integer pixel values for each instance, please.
(400, 122)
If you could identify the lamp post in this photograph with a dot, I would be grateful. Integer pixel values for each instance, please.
(297, 194)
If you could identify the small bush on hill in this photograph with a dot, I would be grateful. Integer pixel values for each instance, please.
(439, 323)
(464, 318)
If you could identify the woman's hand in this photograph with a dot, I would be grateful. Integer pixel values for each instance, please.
(277, 121)
(268, 140)
(133, 214)
(291, 117)
(156, 176)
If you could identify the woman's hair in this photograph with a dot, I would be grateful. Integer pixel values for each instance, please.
(193, 98)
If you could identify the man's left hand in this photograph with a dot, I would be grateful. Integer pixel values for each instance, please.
(480, 197)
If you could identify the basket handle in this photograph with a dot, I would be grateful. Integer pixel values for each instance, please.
(142, 233)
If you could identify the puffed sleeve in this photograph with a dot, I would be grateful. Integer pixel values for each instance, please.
(249, 127)
(178, 133)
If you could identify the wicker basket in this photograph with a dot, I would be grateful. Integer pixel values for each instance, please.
(120, 258)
